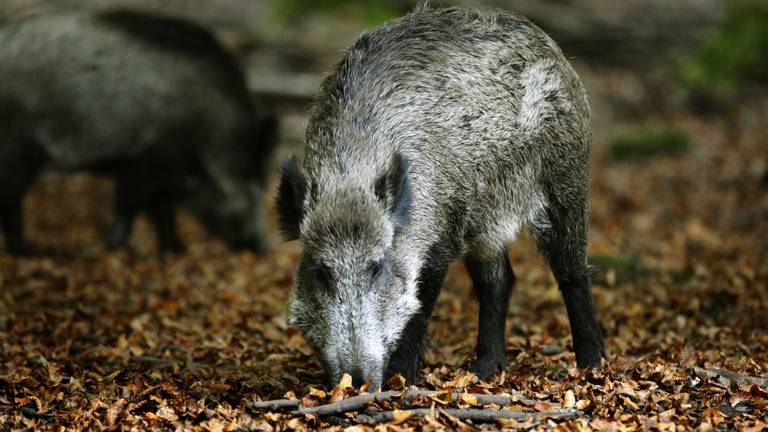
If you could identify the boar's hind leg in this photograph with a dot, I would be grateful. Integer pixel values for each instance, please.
(13, 225)
(493, 281)
(409, 355)
(563, 242)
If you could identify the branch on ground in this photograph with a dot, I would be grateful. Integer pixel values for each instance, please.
(476, 415)
(358, 402)
(731, 377)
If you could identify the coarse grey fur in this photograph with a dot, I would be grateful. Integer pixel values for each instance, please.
(154, 101)
(438, 136)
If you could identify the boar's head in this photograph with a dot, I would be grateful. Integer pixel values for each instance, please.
(350, 296)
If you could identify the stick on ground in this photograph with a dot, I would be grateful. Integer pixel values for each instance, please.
(476, 415)
(359, 402)
(731, 376)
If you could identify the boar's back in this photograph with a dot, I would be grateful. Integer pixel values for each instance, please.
(180, 36)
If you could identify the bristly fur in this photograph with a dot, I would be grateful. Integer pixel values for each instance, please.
(182, 37)
(495, 126)
(421, 6)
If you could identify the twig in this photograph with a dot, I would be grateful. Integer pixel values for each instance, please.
(477, 415)
(485, 399)
(351, 404)
(160, 362)
(358, 402)
(276, 404)
(730, 376)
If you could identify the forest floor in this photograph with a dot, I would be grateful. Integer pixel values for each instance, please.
(92, 340)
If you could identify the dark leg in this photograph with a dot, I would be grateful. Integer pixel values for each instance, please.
(564, 244)
(587, 338)
(13, 225)
(408, 358)
(164, 218)
(127, 206)
(493, 281)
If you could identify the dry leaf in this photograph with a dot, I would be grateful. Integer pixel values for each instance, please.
(469, 399)
(461, 381)
(345, 382)
(399, 416)
(569, 400)
(320, 394)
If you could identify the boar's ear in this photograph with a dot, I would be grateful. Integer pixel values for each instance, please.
(290, 198)
(394, 189)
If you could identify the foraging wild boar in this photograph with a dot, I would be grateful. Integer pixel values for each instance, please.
(154, 101)
(438, 136)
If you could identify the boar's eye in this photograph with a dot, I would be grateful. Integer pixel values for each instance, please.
(375, 269)
(322, 273)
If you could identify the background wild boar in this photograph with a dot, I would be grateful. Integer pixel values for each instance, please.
(154, 101)
(438, 136)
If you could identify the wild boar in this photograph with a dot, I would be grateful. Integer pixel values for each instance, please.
(154, 101)
(438, 136)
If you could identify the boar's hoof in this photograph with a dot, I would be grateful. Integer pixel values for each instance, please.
(486, 367)
(18, 249)
(591, 361)
(408, 369)
(172, 247)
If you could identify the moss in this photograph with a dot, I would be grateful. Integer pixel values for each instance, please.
(371, 12)
(734, 52)
(611, 270)
(648, 143)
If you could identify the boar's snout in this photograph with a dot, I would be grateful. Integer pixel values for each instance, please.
(363, 369)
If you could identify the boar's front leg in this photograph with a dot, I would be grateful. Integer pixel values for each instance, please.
(13, 224)
(493, 281)
(164, 218)
(133, 195)
(409, 355)
(127, 205)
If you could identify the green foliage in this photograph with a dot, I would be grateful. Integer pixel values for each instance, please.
(38, 360)
(371, 12)
(612, 270)
(732, 53)
(647, 143)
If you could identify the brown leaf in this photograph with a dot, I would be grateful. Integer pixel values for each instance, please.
(320, 394)
(469, 399)
(569, 400)
(345, 381)
(396, 382)
(400, 416)
(462, 381)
